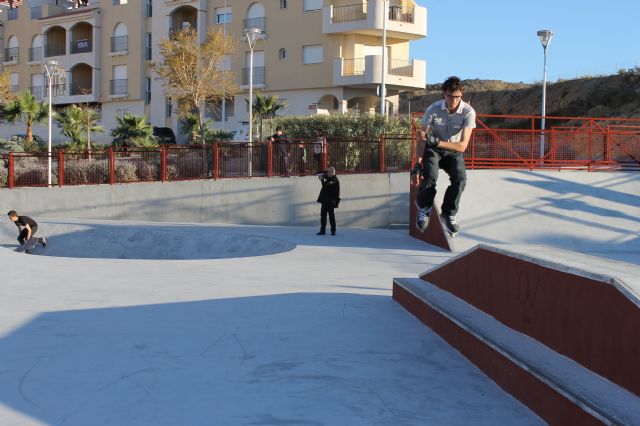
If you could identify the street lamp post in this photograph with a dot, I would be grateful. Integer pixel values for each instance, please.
(545, 39)
(251, 34)
(383, 88)
(51, 69)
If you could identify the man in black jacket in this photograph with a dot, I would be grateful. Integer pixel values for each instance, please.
(329, 198)
(27, 228)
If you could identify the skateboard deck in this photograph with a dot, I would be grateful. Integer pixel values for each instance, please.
(28, 245)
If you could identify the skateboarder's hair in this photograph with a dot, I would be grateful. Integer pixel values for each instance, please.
(452, 84)
(12, 213)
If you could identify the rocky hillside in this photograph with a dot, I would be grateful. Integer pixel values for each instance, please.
(609, 96)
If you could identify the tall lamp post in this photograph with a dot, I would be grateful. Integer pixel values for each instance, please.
(545, 39)
(251, 34)
(51, 69)
(383, 88)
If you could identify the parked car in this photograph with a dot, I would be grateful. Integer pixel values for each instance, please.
(23, 137)
(164, 135)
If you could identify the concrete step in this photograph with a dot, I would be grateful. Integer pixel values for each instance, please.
(558, 389)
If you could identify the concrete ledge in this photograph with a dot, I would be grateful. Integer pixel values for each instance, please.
(557, 388)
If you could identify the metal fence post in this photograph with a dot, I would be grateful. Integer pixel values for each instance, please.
(269, 159)
(60, 168)
(382, 167)
(11, 178)
(216, 161)
(163, 163)
(112, 167)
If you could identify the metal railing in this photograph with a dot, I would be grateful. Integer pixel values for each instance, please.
(294, 157)
(12, 54)
(258, 23)
(35, 54)
(402, 13)
(54, 50)
(401, 67)
(81, 46)
(118, 86)
(119, 43)
(351, 12)
(258, 76)
(37, 92)
(354, 66)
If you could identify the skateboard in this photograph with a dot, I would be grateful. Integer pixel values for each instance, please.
(28, 246)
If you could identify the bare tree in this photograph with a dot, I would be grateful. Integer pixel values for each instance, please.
(6, 93)
(195, 73)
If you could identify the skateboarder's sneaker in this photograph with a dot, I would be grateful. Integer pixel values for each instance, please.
(42, 241)
(422, 219)
(451, 223)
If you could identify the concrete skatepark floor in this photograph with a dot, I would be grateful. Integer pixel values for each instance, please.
(290, 328)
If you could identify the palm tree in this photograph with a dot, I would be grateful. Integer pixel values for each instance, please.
(266, 107)
(134, 131)
(28, 110)
(78, 123)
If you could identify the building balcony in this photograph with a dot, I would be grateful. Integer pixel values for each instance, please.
(35, 54)
(259, 79)
(367, 18)
(367, 73)
(11, 55)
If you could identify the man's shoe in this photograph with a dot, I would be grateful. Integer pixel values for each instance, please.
(320, 233)
(42, 241)
(422, 219)
(451, 223)
(333, 232)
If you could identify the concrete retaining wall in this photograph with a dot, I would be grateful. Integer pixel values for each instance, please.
(375, 200)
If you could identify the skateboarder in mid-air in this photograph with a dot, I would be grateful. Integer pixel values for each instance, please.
(446, 130)
(27, 228)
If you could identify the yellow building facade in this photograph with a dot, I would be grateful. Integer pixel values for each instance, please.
(318, 56)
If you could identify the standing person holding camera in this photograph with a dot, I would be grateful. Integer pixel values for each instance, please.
(446, 131)
(329, 199)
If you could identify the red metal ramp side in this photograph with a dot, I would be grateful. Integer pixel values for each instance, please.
(593, 319)
(555, 387)
(435, 233)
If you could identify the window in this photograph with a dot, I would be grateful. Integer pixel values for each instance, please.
(282, 54)
(283, 4)
(149, 8)
(36, 12)
(223, 15)
(168, 108)
(117, 2)
(119, 82)
(14, 82)
(311, 5)
(312, 54)
(148, 90)
(119, 41)
(148, 47)
(226, 63)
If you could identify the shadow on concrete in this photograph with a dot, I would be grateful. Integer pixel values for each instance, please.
(279, 359)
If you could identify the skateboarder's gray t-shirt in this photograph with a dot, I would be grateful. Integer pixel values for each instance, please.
(448, 127)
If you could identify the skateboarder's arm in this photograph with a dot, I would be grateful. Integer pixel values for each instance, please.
(28, 228)
(458, 146)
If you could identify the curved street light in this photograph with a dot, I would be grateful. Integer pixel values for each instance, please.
(545, 39)
(251, 34)
(51, 70)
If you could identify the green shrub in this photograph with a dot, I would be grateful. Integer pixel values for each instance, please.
(343, 125)
(82, 172)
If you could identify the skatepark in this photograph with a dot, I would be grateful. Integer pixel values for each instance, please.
(130, 316)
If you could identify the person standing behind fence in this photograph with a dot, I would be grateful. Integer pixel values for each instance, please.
(446, 131)
(329, 199)
(279, 138)
(27, 228)
(318, 148)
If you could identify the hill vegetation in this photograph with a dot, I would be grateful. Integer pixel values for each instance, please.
(608, 96)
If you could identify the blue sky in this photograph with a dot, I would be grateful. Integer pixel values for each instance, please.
(496, 39)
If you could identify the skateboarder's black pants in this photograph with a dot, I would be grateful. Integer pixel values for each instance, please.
(453, 164)
(327, 209)
(23, 234)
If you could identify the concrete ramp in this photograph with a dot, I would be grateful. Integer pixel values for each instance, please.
(595, 213)
(558, 330)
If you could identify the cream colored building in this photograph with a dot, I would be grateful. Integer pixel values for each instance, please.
(319, 56)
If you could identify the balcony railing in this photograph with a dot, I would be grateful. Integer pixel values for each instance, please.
(54, 50)
(119, 43)
(81, 46)
(352, 12)
(402, 13)
(37, 92)
(148, 51)
(12, 54)
(258, 23)
(353, 66)
(36, 12)
(56, 89)
(258, 76)
(119, 86)
(12, 14)
(35, 54)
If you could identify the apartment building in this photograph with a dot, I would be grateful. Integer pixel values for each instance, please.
(318, 56)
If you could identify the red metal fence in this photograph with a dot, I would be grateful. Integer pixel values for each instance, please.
(499, 141)
(295, 157)
(507, 141)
